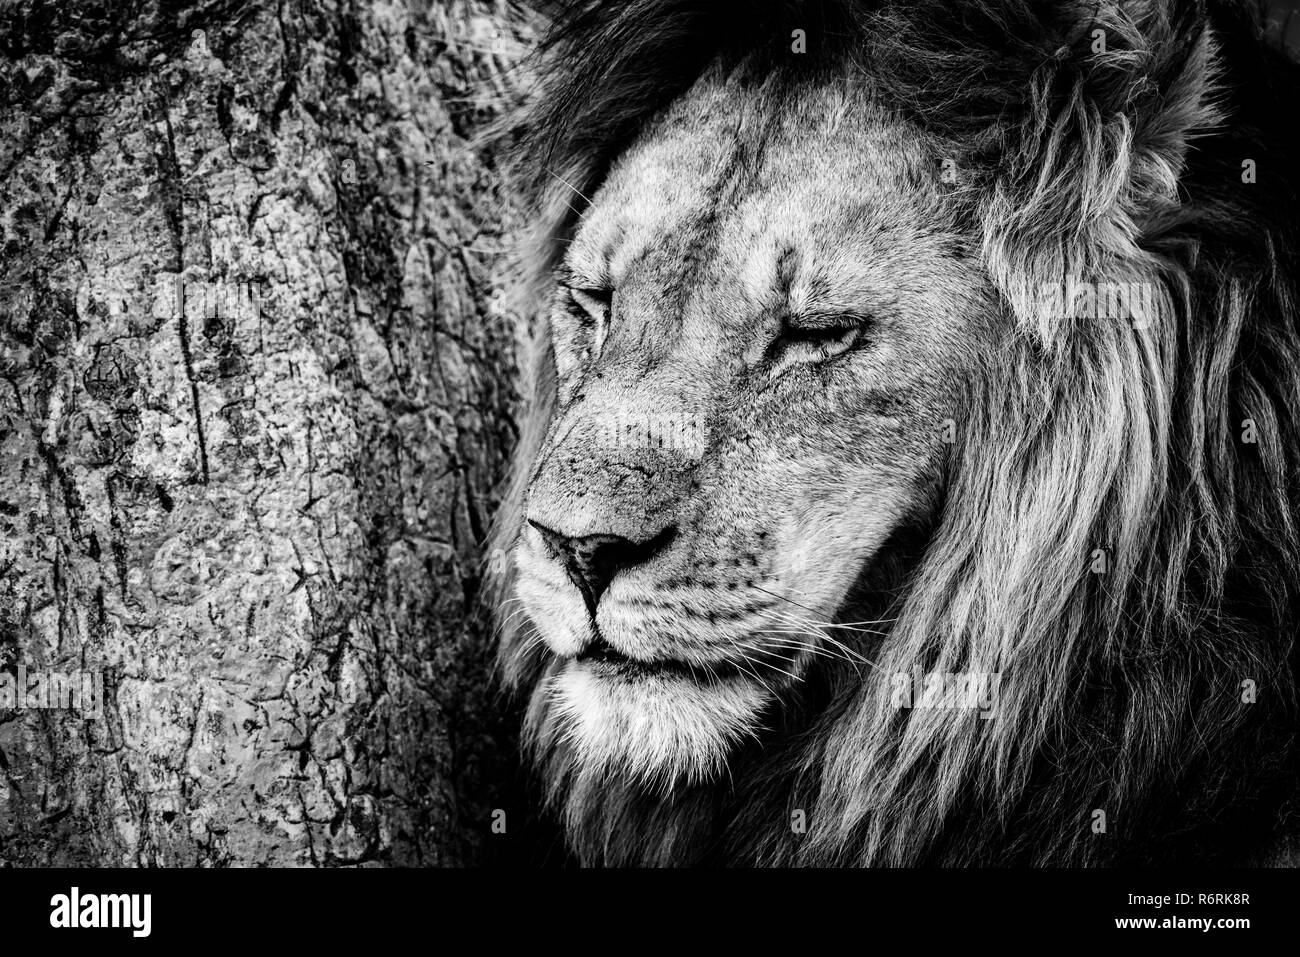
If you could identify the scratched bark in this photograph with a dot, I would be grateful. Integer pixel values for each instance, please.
(262, 526)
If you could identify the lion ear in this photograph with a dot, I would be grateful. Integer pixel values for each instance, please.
(1096, 164)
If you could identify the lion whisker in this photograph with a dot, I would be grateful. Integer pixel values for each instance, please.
(768, 664)
(571, 186)
(783, 598)
(831, 654)
(753, 674)
(504, 623)
(811, 632)
(812, 647)
(827, 624)
(809, 629)
(759, 649)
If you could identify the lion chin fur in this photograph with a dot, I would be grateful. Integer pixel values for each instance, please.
(1161, 693)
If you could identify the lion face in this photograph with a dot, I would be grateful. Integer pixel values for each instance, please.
(762, 331)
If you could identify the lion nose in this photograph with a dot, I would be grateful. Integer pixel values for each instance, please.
(592, 561)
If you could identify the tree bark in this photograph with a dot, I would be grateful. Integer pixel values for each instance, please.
(259, 509)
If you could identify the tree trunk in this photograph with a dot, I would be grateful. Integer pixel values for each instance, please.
(255, 396)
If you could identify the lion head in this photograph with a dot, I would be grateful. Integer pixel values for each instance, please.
(908, 475)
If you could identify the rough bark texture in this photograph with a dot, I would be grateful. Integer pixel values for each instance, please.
(263, 526)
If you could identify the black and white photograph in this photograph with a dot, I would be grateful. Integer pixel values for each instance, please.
(479, 443)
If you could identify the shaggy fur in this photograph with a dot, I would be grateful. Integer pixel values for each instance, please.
(1120, 691)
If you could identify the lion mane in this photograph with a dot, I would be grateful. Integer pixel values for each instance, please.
(1152, 141)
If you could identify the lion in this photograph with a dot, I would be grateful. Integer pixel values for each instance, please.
(908, 473)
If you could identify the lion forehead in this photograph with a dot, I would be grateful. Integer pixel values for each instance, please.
(755, 185)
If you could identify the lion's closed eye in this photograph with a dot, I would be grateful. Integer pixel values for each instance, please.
(818, 338)
(592, 308)
(596, 304)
